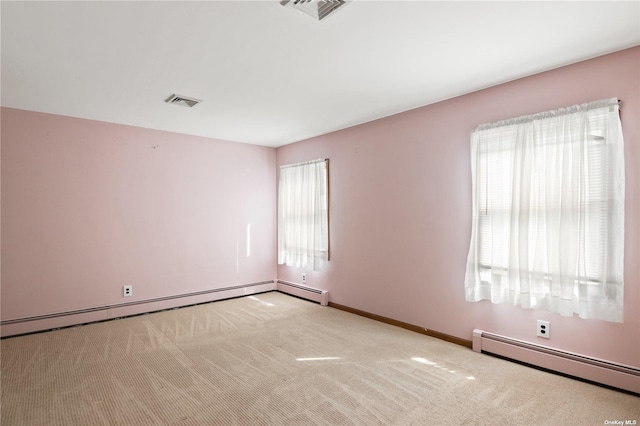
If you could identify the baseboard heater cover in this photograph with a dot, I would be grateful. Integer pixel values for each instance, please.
(581, 366)
(309, 293)
(18, 326)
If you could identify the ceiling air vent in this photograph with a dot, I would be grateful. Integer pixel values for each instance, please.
(182, 100)
(318, 9)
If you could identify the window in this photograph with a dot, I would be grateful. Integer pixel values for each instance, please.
(303, 214)
(548, 212)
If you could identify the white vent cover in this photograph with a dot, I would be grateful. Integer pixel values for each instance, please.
(318, 9)
(182, 100)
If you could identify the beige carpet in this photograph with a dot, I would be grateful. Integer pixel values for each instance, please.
(272, 359)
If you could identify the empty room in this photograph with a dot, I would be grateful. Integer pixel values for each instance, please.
(320, 212)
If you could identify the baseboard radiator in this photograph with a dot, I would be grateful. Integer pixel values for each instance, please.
(309, 293)
(24, 325)
(580, 366)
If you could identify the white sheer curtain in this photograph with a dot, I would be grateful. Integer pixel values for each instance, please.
(303, 231)
(548, 212)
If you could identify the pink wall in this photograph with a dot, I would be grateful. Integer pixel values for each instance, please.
(88, 207)
(401, 206)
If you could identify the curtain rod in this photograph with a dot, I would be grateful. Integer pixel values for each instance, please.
(602, 103)
(304, 163)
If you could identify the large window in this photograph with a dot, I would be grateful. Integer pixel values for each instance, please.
(303, 214)
(548, 212)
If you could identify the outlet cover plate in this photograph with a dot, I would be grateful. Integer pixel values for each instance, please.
(127, 290)
(543, 329)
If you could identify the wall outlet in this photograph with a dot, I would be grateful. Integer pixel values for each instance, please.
(304, 277)
(127, 290)
(543, 329)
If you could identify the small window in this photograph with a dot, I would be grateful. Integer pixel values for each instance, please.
(303, 214)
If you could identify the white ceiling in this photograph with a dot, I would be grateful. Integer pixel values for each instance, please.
(269, 75)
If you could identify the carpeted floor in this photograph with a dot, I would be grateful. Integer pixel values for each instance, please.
(272, 359)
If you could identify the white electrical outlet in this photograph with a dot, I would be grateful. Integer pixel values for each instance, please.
(127, 290)
(543, 329)
(304, 277)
